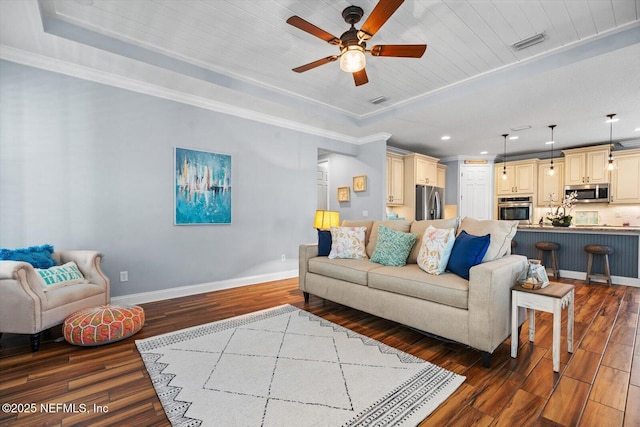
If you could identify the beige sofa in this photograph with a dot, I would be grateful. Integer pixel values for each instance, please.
(25, 308)
(475, 312)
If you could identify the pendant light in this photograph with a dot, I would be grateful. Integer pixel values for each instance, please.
(504, 158)
(553, 141)
(610, 166)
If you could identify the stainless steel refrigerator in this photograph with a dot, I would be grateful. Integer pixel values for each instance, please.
(429, 202)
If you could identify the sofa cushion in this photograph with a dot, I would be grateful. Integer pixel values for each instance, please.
(468, 250)
(37, 256)
(419, 227)
(435, 251)
(393, 247)
(349, 270)
(410, 280)
(347, 242)
(397, 225)
(501, 234)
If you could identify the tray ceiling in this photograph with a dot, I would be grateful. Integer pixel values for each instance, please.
(470, 84)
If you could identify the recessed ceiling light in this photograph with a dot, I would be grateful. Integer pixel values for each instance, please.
(484, 152)
(550, 142)
(513, 137)
(445, 137)
(636, 130)
(615, 119)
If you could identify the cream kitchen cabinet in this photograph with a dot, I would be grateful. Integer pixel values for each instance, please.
(421, 170)
(395, 179)
(625, 178)
(586, 165)
(441, 176)
(521, 178)
(550, 187)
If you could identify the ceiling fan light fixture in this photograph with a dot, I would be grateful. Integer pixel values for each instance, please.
(352, 59)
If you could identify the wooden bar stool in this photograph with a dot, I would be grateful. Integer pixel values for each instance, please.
(551, 247)
(599, 250)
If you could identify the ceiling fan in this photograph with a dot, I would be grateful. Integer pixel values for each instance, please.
(352, 43)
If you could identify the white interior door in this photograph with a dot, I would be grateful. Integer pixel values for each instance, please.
(476, 195)
(323, 186)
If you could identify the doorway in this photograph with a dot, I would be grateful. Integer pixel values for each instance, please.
(323, 185)
(476, 195)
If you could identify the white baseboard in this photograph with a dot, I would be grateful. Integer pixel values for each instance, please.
(617, 280)
(182, 291)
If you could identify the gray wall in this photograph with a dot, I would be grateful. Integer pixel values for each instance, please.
(371, 162)
(88, 166)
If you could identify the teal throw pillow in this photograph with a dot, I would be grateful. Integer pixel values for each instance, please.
(37, 256)
(393, 247)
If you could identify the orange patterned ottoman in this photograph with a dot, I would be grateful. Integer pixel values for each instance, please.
(102, 325)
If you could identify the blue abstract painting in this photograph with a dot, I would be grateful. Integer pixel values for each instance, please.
(203, 187)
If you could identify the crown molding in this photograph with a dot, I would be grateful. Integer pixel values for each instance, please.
(48, 63)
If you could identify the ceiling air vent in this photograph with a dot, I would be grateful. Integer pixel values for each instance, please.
(378, 100)
(528, 42)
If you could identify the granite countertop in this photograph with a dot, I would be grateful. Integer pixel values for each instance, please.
(606, 228)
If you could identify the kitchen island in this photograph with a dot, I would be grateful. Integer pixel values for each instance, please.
(572, 258)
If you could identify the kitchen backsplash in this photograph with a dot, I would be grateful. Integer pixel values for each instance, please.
(607, 214)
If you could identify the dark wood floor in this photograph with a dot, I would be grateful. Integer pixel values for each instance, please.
(599, 385)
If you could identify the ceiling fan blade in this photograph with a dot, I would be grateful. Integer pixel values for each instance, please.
(308, 27)
(399, 50)
(379, 15)
(314, 64)
(360, 77)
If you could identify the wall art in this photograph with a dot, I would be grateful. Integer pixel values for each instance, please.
(359, 183)
(202, 183)
(343, 194)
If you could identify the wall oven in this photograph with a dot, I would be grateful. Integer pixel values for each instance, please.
(516, 209)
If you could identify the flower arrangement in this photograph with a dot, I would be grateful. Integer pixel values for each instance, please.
(561, 216)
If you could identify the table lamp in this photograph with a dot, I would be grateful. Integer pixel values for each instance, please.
(323, 222)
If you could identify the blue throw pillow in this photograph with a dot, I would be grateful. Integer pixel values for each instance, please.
(37, 256)
(324, 242)
(468, 250)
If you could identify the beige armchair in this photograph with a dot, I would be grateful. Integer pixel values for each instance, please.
(25, 308)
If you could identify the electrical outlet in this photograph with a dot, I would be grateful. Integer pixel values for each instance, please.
(365, 213)
(283, 258)
(124, 276)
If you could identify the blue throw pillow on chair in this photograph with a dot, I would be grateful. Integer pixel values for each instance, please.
(468, 250)
(37, 256)
(324, 242)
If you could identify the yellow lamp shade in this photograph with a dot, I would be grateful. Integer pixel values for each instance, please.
(326, 219)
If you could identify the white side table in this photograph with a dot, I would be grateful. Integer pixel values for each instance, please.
(551, 299)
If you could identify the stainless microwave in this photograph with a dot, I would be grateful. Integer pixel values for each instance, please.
(589, 193)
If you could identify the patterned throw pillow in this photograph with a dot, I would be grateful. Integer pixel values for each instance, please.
(63, 275)
(393, 247)
(37, 256)
(347, 242)
(435, 250)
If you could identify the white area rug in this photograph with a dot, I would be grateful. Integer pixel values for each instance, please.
(287, 367)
